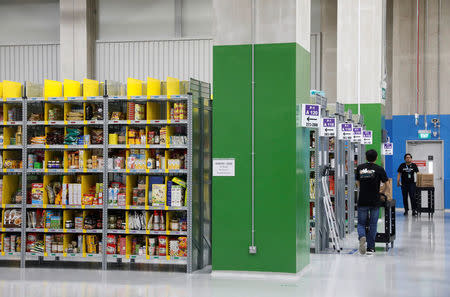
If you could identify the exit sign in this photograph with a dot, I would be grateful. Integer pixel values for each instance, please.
(424, 134)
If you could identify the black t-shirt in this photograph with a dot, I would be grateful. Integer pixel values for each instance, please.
(369, 176)
(407, 172)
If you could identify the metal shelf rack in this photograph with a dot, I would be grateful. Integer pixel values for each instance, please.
(198, 174)
(319, 233)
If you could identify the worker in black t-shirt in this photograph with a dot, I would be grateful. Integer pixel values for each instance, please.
(368, 177)
(406, 173)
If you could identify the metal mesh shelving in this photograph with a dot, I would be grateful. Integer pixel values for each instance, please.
(198, 174)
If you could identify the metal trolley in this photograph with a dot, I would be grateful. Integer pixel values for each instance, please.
(388, 236)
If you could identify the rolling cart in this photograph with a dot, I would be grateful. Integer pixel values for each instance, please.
(388, 236)
(430, 207)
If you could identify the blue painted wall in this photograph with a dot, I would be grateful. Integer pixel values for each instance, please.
(402, 128)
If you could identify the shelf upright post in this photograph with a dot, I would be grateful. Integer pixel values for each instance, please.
(319, 161)
(351, 187)
(24, 182)
(189, 184)
(317, 190)
(340, 176)
(105, 181)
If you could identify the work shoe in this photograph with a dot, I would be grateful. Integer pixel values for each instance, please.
(370, 251)
(362, 245)
(405, 213)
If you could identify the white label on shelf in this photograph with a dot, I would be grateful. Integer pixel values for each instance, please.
(345, 131)
(310, 115)
(327, 127)
(367, 137)
(224, 167)
(357, 134)
(387, 148)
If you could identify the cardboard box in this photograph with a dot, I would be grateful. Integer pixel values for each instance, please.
(425, 180)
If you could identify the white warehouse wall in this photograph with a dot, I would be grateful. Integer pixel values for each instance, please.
(136, 19)
(29, 40)
(29, 21)
(148, 20)
(196, 18)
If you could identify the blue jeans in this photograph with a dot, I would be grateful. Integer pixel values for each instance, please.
(368, 215)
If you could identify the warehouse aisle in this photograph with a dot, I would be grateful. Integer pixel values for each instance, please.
(418, 266)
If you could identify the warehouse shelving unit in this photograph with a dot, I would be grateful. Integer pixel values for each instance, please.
(64, 163)
(12, 175)
(318, 151)
(328, 152)
(350, 179)
(195, 176)
(339, 177)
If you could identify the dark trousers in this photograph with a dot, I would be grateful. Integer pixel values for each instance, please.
(411, 190)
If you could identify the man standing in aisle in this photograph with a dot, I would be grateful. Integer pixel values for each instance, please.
(368, 178)
(406, 173)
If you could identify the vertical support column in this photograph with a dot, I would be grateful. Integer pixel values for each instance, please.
(77, 38)
(361, 61)
(277, 55)
(351, 188)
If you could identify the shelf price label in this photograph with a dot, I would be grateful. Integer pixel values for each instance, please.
(345, 131)
(310, 116)
(357, 134)
(327, 127)
(367, 137)
(387, 149)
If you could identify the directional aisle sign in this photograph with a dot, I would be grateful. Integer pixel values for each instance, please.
(345, 131)
(387, 148)
(357, 134)
(367, 137)
(327, 127)
(310, 115)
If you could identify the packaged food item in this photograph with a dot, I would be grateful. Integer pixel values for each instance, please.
(158, 194)
(111, 246)
(96, 136)
(37, 193)
(182, 246)
(151, 246)
(162, 245)
(173, 248)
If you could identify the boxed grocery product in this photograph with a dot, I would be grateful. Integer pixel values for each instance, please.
(111, 246)
(121, 199)
(158, 194)
(37, 193)
(176, 195)
(123, 245)
(179, 181)
(79, 222)
(174, 164)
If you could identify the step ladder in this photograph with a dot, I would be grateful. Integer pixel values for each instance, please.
(331, 217)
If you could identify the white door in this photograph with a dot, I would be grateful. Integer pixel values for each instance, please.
(429, 157)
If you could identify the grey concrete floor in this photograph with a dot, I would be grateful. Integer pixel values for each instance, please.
(419, 265)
